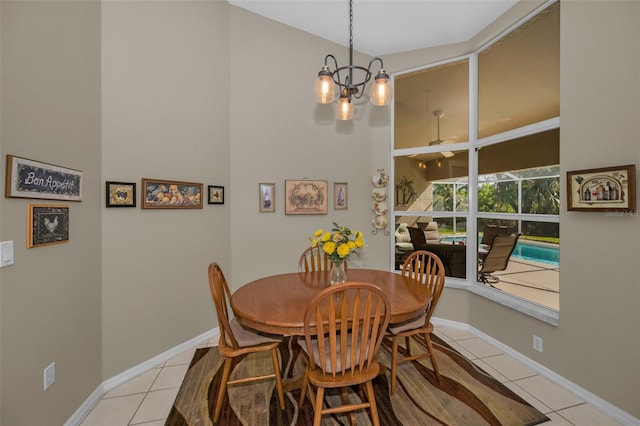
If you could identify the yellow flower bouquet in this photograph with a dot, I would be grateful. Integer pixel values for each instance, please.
(339, 243)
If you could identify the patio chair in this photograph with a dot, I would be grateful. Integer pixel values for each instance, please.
(488, 234)
(497, 258)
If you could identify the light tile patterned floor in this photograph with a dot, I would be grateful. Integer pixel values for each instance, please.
(147, 398)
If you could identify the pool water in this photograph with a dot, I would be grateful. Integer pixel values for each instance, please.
(547, 254)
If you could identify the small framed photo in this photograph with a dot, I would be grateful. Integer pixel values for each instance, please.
(171, 194)
(47, 224)
(306, 197)
(267, 197)
(603, 189)
(120, 194)
(216, 195)
(340, 195)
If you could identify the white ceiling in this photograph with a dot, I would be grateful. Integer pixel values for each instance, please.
(382, 27)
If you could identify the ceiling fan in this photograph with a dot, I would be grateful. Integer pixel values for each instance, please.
(439, 114)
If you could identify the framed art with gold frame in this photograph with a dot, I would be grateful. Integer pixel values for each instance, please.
(305, 197)
(171, 194)
(267, 197)
(47, 224)
(340, 195)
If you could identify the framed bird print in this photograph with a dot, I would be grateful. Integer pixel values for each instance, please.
(47, 224)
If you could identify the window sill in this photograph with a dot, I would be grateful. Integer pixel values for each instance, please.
(531, 309)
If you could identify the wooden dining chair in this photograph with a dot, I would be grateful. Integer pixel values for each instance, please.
(427, 268)
(343, 328)
(315, 259)
(236, 342)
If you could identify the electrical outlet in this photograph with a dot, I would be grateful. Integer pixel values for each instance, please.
(537, 343)
(49, 375)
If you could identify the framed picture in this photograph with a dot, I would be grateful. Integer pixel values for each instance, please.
(47, 224)
(216, 195)
(171, 194)
(267, 197)
(34, 179)
(305, 197)
(340, 196)
(603, 189)
(120, 194)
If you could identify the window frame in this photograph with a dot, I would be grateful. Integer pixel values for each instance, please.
(470, 284)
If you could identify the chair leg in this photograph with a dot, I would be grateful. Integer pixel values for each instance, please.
(373, 408)
(223, 389)
(317, 409)
(303, 391)
(276, 369)
(394, 363)
(432, 354)
(345, 401)
(407, 343)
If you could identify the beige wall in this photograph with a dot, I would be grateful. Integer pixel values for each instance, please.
(278, 133)
(205, 92)
(165, 115)
(50, 301)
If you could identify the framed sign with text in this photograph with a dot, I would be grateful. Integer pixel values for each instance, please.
(34, 179)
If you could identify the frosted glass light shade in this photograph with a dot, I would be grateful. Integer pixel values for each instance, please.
(381, 91)
(345, 109)
(324, 89)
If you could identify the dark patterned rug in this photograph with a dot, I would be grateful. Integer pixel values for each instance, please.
(465, 396)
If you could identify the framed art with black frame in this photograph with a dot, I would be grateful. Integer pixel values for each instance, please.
(120, 194)
(216, 194)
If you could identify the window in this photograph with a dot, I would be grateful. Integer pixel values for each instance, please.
(513, 153)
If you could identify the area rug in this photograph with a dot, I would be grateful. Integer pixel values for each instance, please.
(465, 395)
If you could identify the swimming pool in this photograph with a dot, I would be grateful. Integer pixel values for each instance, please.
(527, 250)
(547, 254)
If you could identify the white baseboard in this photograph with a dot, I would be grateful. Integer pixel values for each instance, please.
(620, 415)
(132, 372)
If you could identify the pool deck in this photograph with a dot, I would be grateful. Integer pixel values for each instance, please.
(533, 281)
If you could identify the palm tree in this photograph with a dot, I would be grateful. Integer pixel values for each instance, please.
(541, 196)
(405, 188)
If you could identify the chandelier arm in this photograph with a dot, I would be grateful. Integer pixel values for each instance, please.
(335, 61)
(373, 60)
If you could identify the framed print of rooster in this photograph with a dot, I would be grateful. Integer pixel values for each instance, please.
(47, 224)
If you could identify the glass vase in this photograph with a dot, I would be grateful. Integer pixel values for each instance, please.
(337, 274)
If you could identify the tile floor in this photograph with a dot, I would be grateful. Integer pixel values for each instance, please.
(146, 399)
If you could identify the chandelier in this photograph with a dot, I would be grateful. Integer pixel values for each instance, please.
(329, 83)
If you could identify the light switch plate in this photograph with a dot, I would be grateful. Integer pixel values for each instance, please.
(6, 253)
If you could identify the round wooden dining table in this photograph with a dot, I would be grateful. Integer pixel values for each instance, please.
(276, 304)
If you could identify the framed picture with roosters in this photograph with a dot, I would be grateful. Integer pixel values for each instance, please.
(47, 224)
